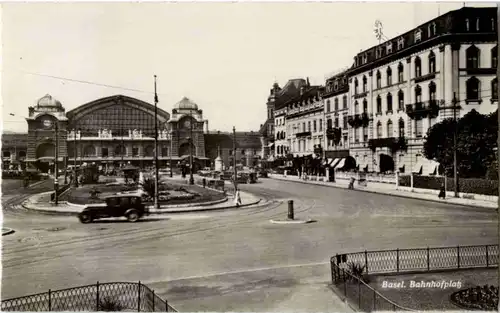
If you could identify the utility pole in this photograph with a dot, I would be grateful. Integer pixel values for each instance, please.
(498, 145)
(234, 162)
(191, 178)
(455, 161)
(56, 168)
(157, 204)
(75, 154)
(171, 149)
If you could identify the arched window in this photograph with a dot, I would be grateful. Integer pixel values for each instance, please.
(400, 73)
(379, 79)
(418, 67)
(473, 86)
(328, 106)
(329, 123)
(379, 129)
(432, 62)
(22, 154)
(401, 100)
(356, 86)
(120, 150)
(344, 101)
(356, 107)
(401, 127)
(418, 94)
(89, 151)
(389, 102)
(389, 129)
(494, 57)
(432, 91)
(365, 106)
(472, 56)
(494, 89)
(149, 151)
(365, 84)
(336, 105)
(389, 76)
(379, 104)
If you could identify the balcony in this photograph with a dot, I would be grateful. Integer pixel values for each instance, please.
(361, 95)
(425, 109)
(358, 120)
(394, 144)
(303, 134)
(334, 134)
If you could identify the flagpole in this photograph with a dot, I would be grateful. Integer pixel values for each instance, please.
(157, 206)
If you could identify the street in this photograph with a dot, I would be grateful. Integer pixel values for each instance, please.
(230, 260)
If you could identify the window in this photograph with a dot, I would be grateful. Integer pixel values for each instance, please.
(356, 135)
(379, 105)
(401, 43)
(401, 127)
(243, 151)
(379, 79)
(6, 154)
(418, 128)
(344, 101)
(355, 86)
(336, 122)
(336, 106)
(477, 24)
(345, 121)
(418, 35)
(389, 129)
(494, 89)
(304, 126)
(389, 48)
(104, 152)
(320, 125)
(309, 126)
(431, 29)
(389, 76)
(356, 107)
(135, 151)
(494, 57)
(418, 67)
(365, 106)
(472, 55)
(365, 84)
(365, 133)
(22, 154)
(472, 88)
(379, 129)
(164, 151)
(89, 151)
(389, 102)
(418, 94)
(401, 100)
(314, 126)
(328, 106)
(400, 73)
(432, 62)
(467, 24)
(432, 91)
(329, 123)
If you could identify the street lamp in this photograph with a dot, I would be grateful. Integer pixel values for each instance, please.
(191, 178)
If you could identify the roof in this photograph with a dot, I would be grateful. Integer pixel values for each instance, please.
(48, 101)
(244, 140)
(186, 104)
(311, 92)
(289, 91)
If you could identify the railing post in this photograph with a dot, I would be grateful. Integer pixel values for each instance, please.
(166, 306)
(50, 300)
(154, 297)
(366, 261)
(458, 256)
(97, 297)
(397, 260)
(428, 259)
(139, 297)
(487, 257)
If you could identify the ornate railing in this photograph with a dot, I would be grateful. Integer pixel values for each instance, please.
(424, 109)
(358, 120)
(401, 261)
(303, 134)
(394, 144)
(115, 296)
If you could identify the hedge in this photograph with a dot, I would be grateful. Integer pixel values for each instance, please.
(466, 185)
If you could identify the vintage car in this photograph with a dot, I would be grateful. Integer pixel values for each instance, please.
(128, 205)
(245, 177)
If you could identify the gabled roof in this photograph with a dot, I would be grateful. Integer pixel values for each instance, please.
(289, 91)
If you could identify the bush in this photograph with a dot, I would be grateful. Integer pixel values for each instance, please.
(467, 185)
(110, 305)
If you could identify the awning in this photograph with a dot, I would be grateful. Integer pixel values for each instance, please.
(433, 168)
(401, 167)
(340, 164)
(418, 168)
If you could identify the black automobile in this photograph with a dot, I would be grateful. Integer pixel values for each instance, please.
(127, 205)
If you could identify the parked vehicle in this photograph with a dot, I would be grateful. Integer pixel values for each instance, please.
(127, 205)
(245, 177)
(263, 173)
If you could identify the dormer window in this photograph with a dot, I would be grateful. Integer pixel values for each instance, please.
(467, 24)
(432, 29)
(365, 58)
(477, 24)
(389, 48)
(401, 43)
(418, 35)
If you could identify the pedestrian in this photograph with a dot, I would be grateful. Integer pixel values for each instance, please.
(351, 183)
(237, 198)
(442, 192)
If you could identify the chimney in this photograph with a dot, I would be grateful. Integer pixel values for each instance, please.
(206, 126)
(308, 84)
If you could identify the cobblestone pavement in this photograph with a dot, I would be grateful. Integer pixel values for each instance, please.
(271, 267)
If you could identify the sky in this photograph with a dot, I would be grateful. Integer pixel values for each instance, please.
(223, 56)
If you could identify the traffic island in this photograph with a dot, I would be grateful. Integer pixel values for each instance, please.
(7, 231)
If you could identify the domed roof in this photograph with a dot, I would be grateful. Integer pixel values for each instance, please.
(186, 104)
(48, 101)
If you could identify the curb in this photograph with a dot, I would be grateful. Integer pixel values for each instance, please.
(289, 222)
(201, 209)
(389, 194)
(7, 231)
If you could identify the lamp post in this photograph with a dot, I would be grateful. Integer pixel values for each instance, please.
(56, 167)
(75, 154)
(191, 178)
(234, 160)
(455, 161)
(157, 205)
(171, 149)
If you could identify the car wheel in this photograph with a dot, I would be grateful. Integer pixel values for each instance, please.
(85, 218)
(133, 216)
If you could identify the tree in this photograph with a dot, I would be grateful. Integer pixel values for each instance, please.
(476, 140)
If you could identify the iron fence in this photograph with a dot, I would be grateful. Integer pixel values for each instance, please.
(402, 261)
(114, 296)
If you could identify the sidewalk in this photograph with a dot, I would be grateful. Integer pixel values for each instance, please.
(40, 202)
(390, 189)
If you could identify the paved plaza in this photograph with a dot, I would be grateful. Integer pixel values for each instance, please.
(233, 259)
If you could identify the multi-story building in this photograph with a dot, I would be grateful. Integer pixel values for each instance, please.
(305, 122)
(248, 148)
(402, 87)
(336, 105)
(14, 146)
